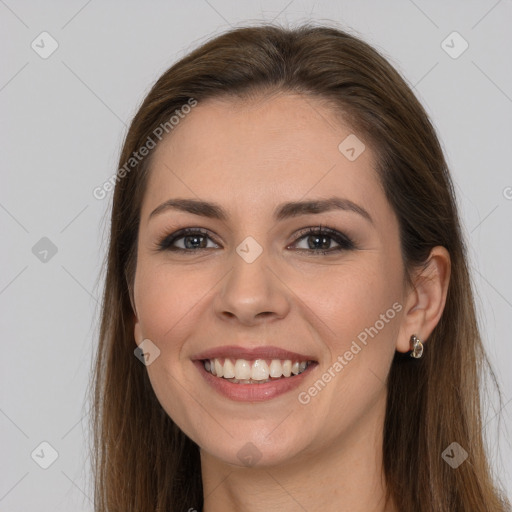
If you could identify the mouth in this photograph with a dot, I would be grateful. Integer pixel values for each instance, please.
(258, 371)
(253, 374)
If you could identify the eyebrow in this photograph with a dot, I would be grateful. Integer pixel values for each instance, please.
(282, 211)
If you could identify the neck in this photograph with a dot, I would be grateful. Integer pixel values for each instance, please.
(345, 476)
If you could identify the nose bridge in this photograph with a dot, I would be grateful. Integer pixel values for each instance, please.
(251, 287)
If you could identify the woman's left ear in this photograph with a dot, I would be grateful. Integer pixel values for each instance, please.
(425, 301)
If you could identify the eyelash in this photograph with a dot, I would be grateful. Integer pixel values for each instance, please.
(344, 242)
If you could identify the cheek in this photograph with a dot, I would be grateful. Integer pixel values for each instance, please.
(167, 301)
(351, 300)
(359, 307)
(168, 304)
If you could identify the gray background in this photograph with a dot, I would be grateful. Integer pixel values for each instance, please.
(63, 123)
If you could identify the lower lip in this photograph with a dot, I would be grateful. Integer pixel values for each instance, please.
(253, 392)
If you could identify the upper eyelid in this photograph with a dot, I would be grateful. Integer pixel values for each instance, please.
(298, 235)
(181, 232)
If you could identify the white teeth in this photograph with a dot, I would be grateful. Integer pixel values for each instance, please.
(242, 369)
(229, 369)
(219, 368)
(287, 368)
(276, 368)
(260, 370)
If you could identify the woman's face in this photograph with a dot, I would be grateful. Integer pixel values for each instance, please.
(253, 278)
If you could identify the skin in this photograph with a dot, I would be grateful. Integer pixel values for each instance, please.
(249, 157)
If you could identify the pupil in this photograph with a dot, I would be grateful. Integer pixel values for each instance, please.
(324, 243)
(192, 245)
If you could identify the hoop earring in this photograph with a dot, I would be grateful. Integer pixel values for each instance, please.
(417, 347)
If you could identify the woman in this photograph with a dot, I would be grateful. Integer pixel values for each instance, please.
(284, 238)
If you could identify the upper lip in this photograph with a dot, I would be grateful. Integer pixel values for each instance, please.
(237, 352)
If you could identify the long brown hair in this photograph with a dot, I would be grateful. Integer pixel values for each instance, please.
(141, 460)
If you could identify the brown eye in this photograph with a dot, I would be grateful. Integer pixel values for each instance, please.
(320, 239)
(190, 240)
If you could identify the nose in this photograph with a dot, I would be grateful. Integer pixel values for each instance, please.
(252, 293)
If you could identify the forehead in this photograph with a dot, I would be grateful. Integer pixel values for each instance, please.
(267, 150)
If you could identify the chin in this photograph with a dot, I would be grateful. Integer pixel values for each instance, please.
(256, 448)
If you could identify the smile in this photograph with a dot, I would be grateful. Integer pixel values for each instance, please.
(258, 371)
(264, 387)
